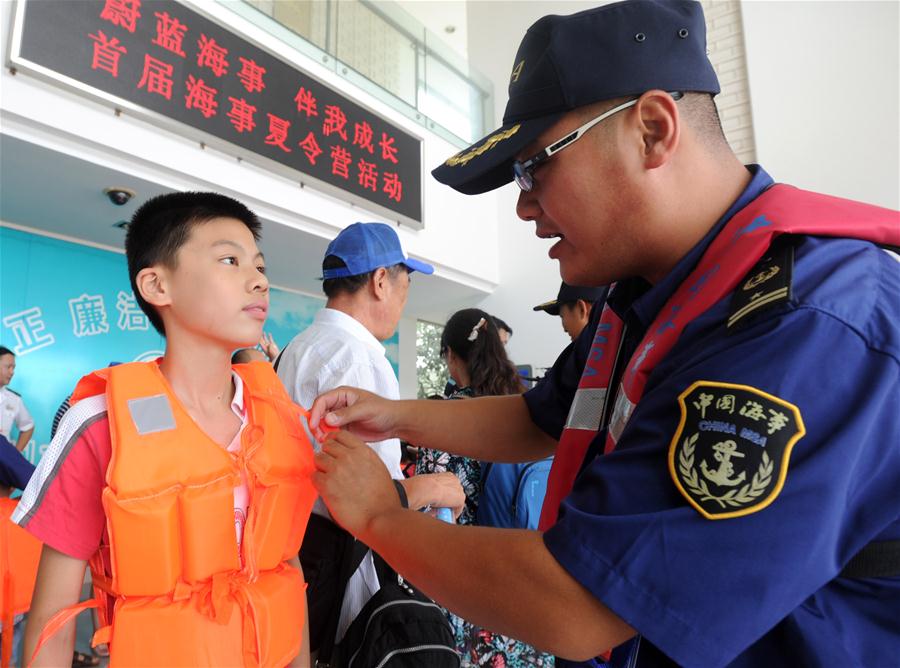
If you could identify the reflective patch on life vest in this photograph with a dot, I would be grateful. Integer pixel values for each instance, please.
(587, 409)
(729, 456)
(151, 414)
(621, 414)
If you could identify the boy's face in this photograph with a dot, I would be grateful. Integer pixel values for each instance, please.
(218, 289)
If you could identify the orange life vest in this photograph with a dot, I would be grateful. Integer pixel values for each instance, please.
(181, 594)
(19, 556)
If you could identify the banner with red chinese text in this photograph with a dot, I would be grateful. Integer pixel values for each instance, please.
(160, 56)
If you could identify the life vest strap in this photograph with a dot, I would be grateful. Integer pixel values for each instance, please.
(58, 621)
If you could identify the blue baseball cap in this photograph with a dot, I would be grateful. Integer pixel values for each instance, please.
(365, 247)
(618, 50)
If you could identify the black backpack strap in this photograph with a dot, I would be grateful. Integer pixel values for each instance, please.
(880, 559)
(278, 359)
(352, 554)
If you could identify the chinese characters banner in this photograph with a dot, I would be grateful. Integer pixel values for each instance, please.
(164, 57)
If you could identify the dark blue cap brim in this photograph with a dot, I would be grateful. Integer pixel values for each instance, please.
(487, 164)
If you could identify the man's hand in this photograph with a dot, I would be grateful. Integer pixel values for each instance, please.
(362, 413)
(353, 482)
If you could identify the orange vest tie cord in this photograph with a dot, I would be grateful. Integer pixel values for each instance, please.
(20, 553)
(179, 590)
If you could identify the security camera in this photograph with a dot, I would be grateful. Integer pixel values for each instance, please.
(119, 196)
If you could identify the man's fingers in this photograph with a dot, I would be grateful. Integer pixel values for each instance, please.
(326, 404)
(323, 461)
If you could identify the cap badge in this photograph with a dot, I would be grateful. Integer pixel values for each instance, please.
(489, 143)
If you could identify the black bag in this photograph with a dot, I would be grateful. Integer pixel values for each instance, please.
(399, 627)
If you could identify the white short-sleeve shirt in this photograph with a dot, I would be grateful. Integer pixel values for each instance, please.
(338, 350)
(13, 412)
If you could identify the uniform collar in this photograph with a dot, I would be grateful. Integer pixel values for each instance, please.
(636, 298)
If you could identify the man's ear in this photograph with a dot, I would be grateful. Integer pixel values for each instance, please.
(660, 127)
(152, 285)
(379, 283)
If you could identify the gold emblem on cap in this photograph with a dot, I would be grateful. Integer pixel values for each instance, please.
(517, 71)
(489, 143)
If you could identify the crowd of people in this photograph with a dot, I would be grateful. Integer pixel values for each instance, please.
(708, 475)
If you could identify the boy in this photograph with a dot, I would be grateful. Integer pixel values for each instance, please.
(184, 481)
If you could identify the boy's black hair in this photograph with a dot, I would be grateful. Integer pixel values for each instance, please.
(161, 226)
(332, 287)
(6, 351)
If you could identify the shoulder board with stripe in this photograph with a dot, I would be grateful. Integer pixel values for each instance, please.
(766, 285)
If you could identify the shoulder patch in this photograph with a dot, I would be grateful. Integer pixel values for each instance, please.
(729, 456)
(767, 285)
(12, 391)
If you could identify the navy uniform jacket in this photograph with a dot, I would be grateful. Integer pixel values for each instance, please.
(762, 589)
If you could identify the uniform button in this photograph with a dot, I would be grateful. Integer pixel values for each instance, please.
(640, 37)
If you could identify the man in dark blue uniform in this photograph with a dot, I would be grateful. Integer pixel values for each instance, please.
(738, 470)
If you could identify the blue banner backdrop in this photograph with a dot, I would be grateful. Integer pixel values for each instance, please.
(67, 309)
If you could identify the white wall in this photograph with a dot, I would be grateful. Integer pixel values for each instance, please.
(824, 81)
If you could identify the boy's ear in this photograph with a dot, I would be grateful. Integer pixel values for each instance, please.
(151, 283)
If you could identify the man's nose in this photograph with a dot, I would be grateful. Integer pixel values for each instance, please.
(527, 207)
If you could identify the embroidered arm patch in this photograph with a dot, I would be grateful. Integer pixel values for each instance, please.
(729, 456)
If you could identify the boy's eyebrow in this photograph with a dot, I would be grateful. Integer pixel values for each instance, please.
(228, 242)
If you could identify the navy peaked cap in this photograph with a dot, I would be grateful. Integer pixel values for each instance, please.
(565, 62)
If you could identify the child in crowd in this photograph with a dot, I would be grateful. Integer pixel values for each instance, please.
(185, 482)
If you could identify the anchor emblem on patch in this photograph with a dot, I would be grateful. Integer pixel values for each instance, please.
(729, 456)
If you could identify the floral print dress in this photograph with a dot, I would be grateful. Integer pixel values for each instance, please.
(477, 646)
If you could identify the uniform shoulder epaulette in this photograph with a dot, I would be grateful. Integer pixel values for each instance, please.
(766, 285)
(12, 391)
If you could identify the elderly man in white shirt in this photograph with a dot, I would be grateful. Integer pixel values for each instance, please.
(366, 280)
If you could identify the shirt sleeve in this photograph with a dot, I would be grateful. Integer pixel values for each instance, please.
(548, 402)
(62, 504)
(704, 590)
